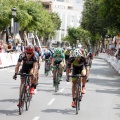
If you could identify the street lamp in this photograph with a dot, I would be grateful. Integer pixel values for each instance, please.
(12, 20)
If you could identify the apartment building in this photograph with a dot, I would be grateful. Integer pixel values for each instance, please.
(69, 12)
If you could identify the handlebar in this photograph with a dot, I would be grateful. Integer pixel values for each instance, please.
(78, 75)
(24, 74)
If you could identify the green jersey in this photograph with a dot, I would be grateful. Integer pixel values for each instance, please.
(58, 59)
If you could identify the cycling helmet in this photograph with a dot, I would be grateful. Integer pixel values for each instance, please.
(37, 48)
(47, 51)
(73, 48)
(29, 49)
(77, 53)
(82, 50)
(68, 48)
(58, 51)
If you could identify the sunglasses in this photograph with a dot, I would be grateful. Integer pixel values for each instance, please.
(29, 53)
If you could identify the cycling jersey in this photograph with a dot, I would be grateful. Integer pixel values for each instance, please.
(78, 66)
(90, 55)
(27, 64)
(47, 55)
(67, 55)
(58, 59)
(36, 54)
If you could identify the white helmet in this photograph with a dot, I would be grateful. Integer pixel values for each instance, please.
(77, 53)
(47, 51)
(69, 48)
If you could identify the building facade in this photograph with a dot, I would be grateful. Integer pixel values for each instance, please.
(69, 12)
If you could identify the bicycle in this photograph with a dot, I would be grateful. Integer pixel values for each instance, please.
(57, 80)
(89, 62)
(78, 90)
(25, 96)
(47, 67)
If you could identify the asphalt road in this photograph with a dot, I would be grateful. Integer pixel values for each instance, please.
(101, 101)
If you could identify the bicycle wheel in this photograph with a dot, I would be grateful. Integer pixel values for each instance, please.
(77, 99)
(46, 73)
(81, 95)
(22, 100)
(27, 98)
(46, 69)
(57, 82)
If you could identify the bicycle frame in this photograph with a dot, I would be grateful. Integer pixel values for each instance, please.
(25, 95)
(47, 66)
(57, 82)
(78, 90)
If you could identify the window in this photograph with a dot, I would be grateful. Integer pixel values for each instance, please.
(46, 6)
(61, 6)
(60, 0)
(78, 1)
(70, 8)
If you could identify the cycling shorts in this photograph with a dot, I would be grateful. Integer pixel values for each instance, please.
(76, 71)
(27, 71)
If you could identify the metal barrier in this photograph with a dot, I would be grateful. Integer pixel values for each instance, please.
(112, 60)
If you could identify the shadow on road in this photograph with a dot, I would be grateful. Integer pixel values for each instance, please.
(117, 106)
(9, 100)
(60, 111)
(9, 112)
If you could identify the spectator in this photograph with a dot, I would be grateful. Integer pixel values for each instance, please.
(3, 46)
(22, 46)
(10, 47)
(10, 39)
(117, 54)
(18, 47)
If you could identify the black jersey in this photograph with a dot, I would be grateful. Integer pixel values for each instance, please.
(27, 64)
(77, 64)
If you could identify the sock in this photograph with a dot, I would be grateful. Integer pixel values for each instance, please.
(73, 99)
(83, 85)
(34, 86)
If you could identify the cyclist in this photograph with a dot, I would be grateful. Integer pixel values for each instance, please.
(47, 55)
(58, 58)
(86, 52)
(29, 66)
(51, 50)
(38, 55)
(90, 58)
(67, 54)
(72, 50)
(80, 66)
(83, 52)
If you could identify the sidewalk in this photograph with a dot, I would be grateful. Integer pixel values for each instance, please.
(115, 63)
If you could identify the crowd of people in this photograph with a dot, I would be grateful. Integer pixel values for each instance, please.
(11, 46)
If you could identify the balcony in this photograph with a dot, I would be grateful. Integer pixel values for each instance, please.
(47, 5)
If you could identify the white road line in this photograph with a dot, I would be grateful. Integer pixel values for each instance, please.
(36, 118)
(51, 101)
(68, 82)
(61, 90)
(11, 71)
(3, 69)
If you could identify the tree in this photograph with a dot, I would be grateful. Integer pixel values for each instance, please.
(110, 11)
(31, 16)
(93, 21)
(75, 34)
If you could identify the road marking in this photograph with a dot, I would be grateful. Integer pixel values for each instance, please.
(36, 118)
(61, 90)
(51, 101)
(68, 82)
(4, 69)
